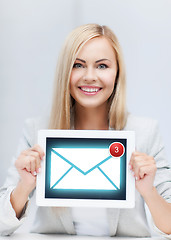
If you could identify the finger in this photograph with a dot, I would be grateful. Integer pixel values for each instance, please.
(140, 153)
(38, 149)
(33, 165)
(140, 158)
(143, 171)
(134, 158)
(136, 172)
(26, 164)
(131, 160)
(147, 170)
(139, 163)
(36, 155)
(144, 168)
(25, 159)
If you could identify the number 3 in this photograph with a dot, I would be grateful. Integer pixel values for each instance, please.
(116, 149)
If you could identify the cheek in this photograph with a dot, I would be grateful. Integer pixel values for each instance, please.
(108, 77)
(75, 77)
(72, 79)
(110, 82)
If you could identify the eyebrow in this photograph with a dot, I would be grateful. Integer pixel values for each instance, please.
(100, 60)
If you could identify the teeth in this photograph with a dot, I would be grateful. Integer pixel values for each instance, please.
(90, 89)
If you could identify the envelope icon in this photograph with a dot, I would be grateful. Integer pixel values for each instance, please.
(84, 168)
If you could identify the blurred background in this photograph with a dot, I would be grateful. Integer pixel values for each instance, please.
(31, 35)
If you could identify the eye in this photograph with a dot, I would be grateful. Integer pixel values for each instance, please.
(77, 65)
(102, 66)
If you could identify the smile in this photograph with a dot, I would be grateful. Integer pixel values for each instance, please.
(90, 90)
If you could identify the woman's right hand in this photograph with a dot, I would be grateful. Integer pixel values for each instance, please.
(28, 165)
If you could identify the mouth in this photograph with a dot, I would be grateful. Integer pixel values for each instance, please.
(90, 90)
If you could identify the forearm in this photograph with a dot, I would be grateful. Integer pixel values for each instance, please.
(19, 198)
(160, 211)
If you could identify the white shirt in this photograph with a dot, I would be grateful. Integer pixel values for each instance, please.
(90, 221)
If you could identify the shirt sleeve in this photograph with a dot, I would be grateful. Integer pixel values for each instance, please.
(8, 220)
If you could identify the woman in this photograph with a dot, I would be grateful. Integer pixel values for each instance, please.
(90, 94)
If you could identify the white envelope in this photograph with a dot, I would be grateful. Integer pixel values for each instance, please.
(84, 168)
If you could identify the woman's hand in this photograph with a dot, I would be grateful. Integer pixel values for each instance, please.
(144, 169)
(28, 165)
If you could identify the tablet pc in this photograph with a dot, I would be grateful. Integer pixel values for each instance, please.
(86, 168)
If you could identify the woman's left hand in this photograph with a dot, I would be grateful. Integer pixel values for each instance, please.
(144, 169)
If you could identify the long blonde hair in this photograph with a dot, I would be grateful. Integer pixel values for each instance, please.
(62, 104)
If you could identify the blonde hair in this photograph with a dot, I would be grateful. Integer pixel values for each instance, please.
(62, 104)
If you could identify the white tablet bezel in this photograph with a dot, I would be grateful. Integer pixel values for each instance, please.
(104, 134)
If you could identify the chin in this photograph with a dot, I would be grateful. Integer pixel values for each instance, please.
(92, 106)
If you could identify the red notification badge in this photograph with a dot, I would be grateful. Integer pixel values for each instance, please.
(116, 149)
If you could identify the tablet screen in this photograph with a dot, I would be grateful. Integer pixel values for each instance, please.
(80, 168)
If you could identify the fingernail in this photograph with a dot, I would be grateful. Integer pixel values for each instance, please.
(136, 178)
(35, 173)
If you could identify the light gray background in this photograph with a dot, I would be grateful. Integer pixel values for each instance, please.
(31, 34)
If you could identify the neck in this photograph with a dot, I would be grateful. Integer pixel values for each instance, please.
(91, 119)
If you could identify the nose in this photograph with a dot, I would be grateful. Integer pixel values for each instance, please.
(90, 75)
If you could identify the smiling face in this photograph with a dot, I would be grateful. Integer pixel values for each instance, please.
(93, 75)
